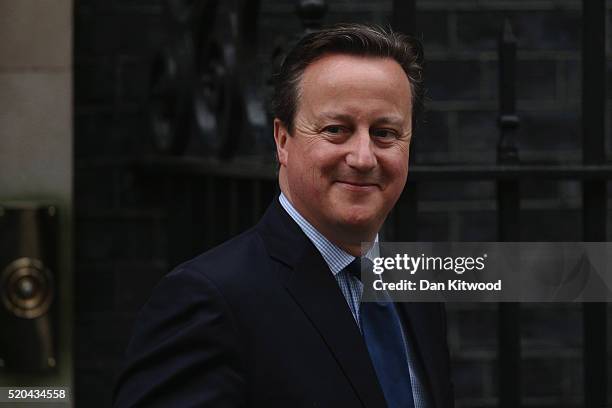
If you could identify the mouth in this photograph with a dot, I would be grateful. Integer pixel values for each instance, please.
(358, 185)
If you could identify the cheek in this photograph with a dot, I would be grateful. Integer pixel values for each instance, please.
(324, 164)
(403, 172)
(311, 176)
(396, 171)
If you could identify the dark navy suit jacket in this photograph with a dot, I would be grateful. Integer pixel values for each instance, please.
(261, 322)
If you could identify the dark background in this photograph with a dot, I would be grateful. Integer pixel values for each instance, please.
(136, 218)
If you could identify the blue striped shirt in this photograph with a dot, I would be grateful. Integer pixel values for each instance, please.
(337, 260)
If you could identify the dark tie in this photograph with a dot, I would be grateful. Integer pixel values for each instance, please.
(383, 336)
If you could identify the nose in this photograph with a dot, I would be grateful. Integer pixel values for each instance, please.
(361, 155)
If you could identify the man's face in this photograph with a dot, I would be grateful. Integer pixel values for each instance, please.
(346, 163)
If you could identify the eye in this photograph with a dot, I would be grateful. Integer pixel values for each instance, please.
(384, 133)
(334, 129)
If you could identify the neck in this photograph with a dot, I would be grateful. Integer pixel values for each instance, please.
(355, 250)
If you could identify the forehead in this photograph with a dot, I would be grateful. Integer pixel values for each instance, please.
(341, 81)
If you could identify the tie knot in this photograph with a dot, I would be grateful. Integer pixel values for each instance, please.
(355, 267)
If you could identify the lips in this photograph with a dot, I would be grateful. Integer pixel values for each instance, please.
(357, 185)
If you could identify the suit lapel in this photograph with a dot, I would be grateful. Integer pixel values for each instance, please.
(316, 291)
(313, 287)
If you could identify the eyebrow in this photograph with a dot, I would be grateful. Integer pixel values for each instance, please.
(391, 120)
(336, 116)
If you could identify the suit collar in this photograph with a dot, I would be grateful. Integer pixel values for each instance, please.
(281, 235)
(335, 257)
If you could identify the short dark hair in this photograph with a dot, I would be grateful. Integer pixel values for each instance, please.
(352, 39)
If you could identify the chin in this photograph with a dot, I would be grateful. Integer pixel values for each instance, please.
(359, 220)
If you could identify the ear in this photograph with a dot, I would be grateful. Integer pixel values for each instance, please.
(281, 135)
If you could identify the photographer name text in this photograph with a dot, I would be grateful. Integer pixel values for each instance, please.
(426, 285)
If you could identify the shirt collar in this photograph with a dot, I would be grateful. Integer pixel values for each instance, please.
(336, 258)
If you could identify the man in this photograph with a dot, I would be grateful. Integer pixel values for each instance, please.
(273, 317)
